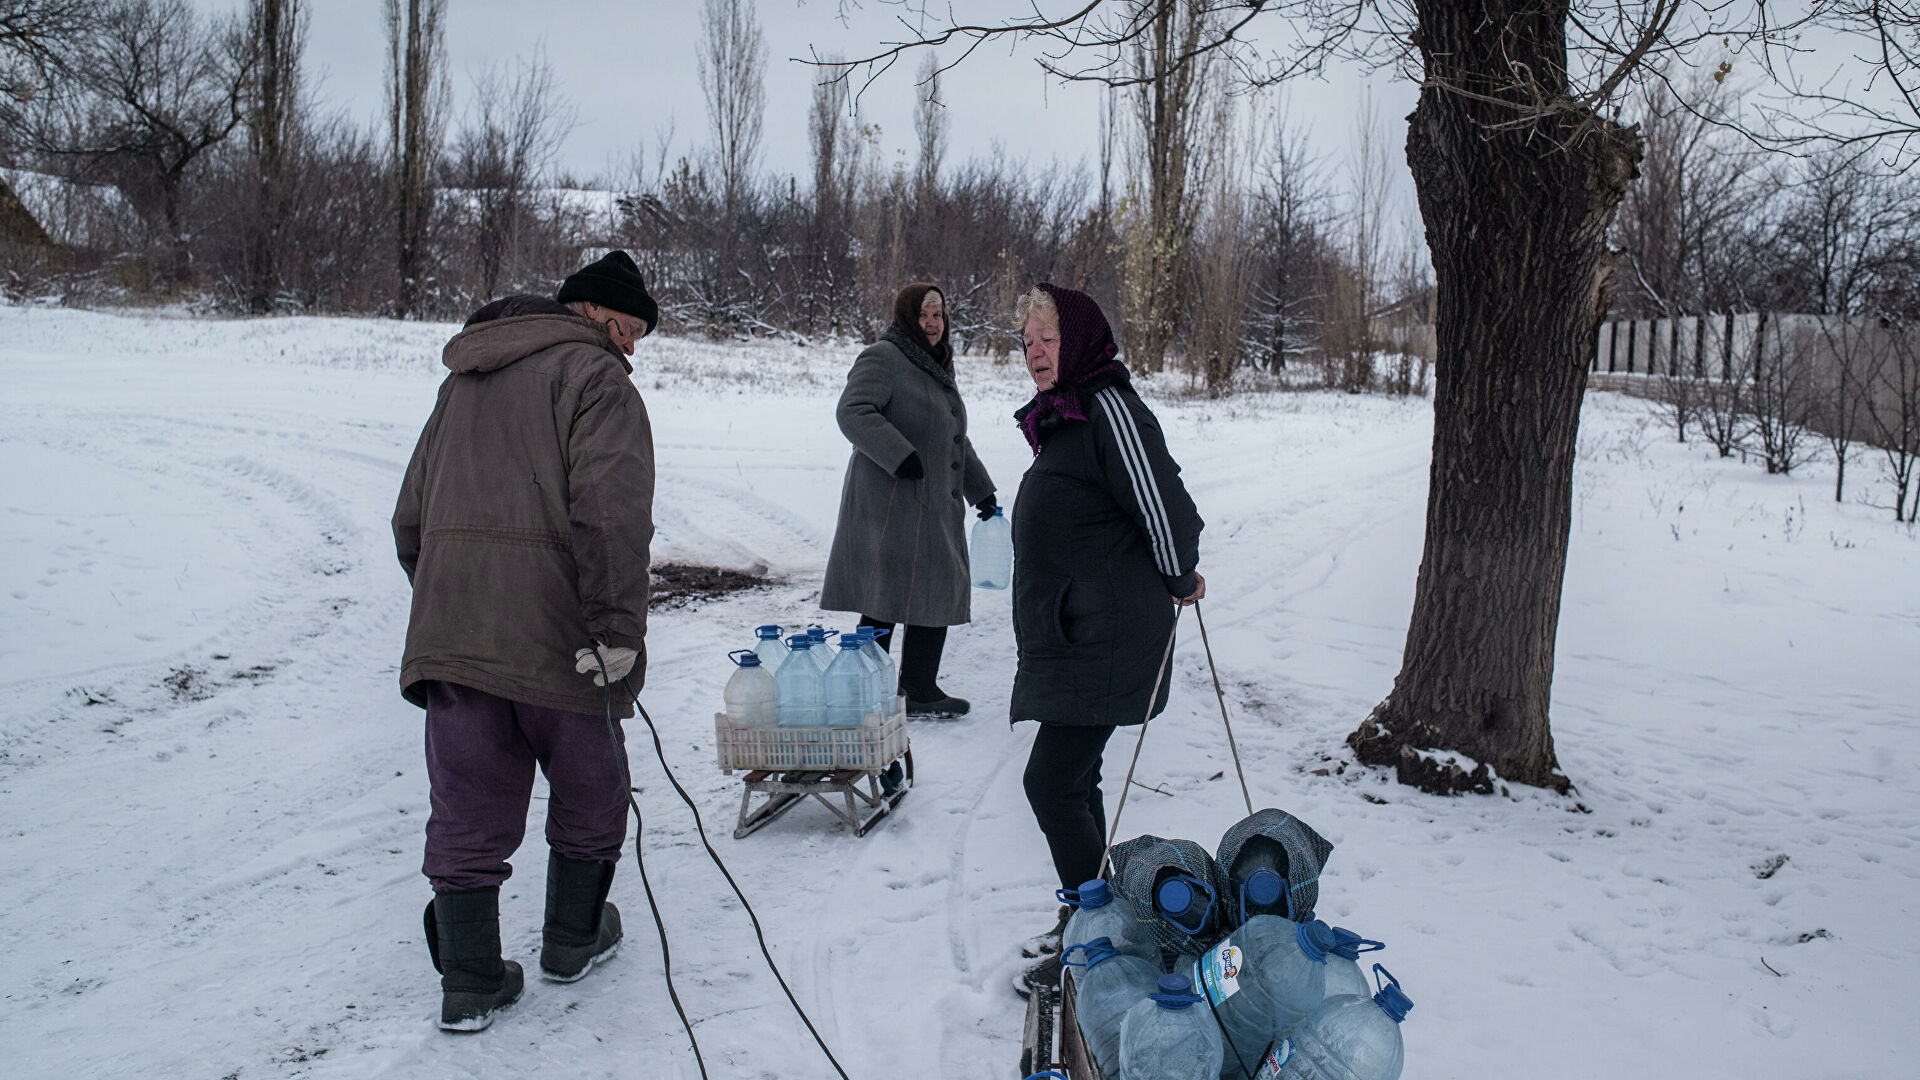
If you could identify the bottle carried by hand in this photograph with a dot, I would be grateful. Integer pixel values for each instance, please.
(992, 554)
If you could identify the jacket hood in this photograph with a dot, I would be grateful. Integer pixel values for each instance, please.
(495, 343)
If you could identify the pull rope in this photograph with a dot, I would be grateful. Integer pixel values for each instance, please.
(1113, 828)
(1222, 695)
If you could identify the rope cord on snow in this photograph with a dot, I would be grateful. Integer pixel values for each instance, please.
(1113, 828)
(1222, 695)
(639, 826)
(700, 826)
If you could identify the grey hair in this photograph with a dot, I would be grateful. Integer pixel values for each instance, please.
(1035, 302)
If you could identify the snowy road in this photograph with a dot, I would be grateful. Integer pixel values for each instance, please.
(212, 794)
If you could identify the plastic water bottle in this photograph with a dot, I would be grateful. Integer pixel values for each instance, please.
(801, 688)
(992, 554)
(886, 679)
(1098, 915)
(1263, 979)
(822, 646)
(1188, 904)
(849, 685)
(751, 696)
(1343, 964)
(1257, 880)
(1166, 1038)
(1106, 984)
(1347, 1038)
(767, 644)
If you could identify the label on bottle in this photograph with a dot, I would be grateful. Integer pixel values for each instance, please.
(1219, 972)
(1275, 1060)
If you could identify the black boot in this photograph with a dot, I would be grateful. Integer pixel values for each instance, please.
(919, 674)
(582, 926)
(463, 937)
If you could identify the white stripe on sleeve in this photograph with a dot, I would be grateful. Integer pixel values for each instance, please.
(1146, 490)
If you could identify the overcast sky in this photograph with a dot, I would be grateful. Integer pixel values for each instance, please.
(628, 69)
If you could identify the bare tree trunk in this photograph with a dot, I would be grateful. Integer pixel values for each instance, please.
(415, 108)
(732, 59)
(275, 27)
(1517, 203)
(929, 131)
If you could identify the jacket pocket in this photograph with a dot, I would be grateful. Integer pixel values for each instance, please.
(1087, 613)
(1038, 602)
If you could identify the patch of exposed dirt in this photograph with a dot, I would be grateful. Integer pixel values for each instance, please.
(676, 585)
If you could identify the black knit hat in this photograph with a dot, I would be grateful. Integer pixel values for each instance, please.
(614, 282)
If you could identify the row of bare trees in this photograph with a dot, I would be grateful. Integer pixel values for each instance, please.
(1219, 256)
(1822, 248)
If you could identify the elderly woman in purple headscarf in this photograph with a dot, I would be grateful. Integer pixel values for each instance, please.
(1105, 542)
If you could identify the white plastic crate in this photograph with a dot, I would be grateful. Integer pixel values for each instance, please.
(867, 748)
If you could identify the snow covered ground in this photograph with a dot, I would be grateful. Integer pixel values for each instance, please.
(212, 794)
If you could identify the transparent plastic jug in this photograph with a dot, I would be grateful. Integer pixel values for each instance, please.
(1169, 1036)
(886, 680)
(1257, 881)
(1187, 903)
(849, 685)
(1262, 980)
(802, 691)
(1343, 964)
(1347, 1038)
(1106, 984)
(767, 644)
(992, 554)
(1099, 914)
(751, 696)
(822, 645)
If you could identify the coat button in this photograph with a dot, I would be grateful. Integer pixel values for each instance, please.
(955, 465)
(957, 439)
(956, 493)
(955, 412)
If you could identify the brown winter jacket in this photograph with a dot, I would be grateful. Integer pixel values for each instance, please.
(526, 515)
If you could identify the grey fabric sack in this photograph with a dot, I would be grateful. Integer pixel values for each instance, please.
(1137, 867)
(1306, 850)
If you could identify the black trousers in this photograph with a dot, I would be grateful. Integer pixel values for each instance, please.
(919, 657)
(1063, 787)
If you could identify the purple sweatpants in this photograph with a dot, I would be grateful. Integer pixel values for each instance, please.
(481, 751)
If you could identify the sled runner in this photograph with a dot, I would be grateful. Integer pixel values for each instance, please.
(841, 768)
(1051, 1040)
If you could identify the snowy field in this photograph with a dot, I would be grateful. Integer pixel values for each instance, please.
(212, 793)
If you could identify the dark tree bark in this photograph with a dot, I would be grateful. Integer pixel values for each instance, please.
(274, 26)
(1516, 197)
(415, 114)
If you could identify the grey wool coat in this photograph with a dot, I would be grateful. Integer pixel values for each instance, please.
(900, 548)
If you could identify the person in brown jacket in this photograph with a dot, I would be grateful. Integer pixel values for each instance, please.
(524, 524)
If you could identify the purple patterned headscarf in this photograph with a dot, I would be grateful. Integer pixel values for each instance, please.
(1087, 352)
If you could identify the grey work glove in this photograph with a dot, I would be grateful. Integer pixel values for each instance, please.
(619, 662)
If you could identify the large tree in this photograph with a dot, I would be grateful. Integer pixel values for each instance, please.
(416, 122)
(1519, 168)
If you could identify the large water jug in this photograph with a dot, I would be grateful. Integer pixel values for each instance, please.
(1106, 984)
(822, 645)
(1343, 964)
(849, 686)
(751, 696)
(801, 688)
(767, 644)
(886, 680)
(1166, 1038)
(1257, 880)
(1262, 980)
(1347, 1038)
(1097, 914)
(1188, 904)
(992, 554)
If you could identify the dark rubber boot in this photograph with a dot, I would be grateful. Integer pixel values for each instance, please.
(463, 937)
(582, 927)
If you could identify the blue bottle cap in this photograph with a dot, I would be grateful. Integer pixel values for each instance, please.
(767, 633)
(1390, 999)
(1175, 895)
(799, 641)
(1175, 993)
(1092, 893)
(1265, 887)
(745, 657)
(852, 641)
(1316, 940)
(997, 512)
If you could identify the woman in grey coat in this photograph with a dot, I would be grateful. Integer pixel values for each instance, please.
(900, 549)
